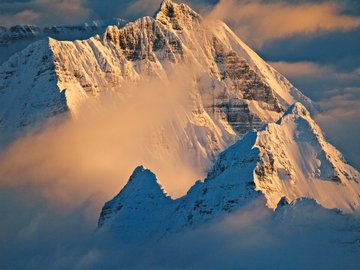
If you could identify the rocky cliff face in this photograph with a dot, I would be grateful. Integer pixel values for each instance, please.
(284, 162)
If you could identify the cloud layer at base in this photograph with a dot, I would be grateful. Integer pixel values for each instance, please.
(305, 237)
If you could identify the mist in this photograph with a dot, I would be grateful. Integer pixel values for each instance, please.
(54, 180)
(94, 152)
(302, 237)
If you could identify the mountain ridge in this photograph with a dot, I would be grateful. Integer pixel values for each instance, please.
(16, 38)
(263, 165)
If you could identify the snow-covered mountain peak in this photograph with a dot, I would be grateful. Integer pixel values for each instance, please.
(142, 202)
(142, 188)
(295, 159)
(179, 16)
(232, 92)
(236, 89)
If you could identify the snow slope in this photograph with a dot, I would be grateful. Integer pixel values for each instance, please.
(28, 90)
(297, 161)
(149, 205)
(285, 161)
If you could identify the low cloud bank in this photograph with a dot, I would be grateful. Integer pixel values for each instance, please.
(304, 237)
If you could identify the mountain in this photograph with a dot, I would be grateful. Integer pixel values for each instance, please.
(282, 163)
(232, 90)
(18, 37)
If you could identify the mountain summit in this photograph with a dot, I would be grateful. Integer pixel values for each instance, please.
(232, 91)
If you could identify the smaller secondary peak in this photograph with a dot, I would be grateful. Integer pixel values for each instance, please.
(138, 202)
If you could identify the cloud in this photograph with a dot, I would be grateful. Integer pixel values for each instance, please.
(305, 237)
(318, 81)
(323, 77)
(92, 156)
(143, 6)
(300, 69)
(26, 16)
(65, 12)
(259, 22)
(52, 185)
(318, 48)
(44, 12)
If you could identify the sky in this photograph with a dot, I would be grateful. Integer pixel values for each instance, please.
(315, 44)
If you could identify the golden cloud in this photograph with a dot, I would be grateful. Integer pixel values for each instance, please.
(259, 22)
(44, 12)
(313, 70)
(300, 69)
